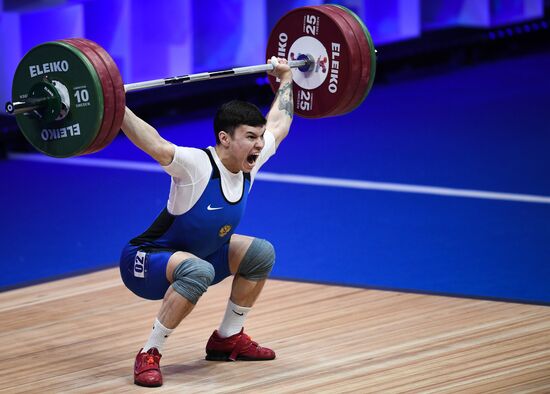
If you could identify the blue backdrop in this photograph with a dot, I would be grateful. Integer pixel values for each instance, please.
(484, 128)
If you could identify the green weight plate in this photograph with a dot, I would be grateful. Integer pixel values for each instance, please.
(370, 58)
(63, 63)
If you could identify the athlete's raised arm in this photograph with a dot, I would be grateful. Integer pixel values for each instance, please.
(281, 113)
(147, 138)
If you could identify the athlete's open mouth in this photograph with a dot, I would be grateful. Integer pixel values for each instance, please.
(251, 159)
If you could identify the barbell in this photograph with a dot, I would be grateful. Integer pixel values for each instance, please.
(69, 97)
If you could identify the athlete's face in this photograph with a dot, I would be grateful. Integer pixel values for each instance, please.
(245, 147)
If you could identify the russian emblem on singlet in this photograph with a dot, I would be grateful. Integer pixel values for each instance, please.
(224, 230)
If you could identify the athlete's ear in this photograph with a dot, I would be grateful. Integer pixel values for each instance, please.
(224, 138)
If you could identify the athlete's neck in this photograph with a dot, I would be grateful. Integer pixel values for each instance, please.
(225, 157)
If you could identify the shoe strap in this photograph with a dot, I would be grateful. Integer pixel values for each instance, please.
(242, 345)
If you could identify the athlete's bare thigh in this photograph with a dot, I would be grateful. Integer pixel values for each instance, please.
(238, 245)
(174, 261)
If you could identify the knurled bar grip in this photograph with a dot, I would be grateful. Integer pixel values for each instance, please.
(210, 75)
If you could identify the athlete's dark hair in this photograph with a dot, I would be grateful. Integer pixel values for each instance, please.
(235, 113)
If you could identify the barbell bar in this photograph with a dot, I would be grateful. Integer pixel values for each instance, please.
(22, 107)
(261, 68)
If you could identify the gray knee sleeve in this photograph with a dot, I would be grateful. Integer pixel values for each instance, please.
(258, 260)
(192, 277)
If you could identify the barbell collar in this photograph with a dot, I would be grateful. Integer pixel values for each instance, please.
(155, 83)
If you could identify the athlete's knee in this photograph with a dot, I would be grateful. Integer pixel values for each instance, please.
(192, 278)
(258, 260)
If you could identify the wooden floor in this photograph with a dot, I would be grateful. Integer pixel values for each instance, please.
(81, 335)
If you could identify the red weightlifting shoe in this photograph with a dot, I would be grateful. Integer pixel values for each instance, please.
(236, 347)
(147, 368)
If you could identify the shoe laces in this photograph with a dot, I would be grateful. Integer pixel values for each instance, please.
(151, 357)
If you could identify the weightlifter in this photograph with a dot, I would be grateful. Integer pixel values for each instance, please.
(192, 244)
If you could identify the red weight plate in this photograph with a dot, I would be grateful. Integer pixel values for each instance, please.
(118, 85)
(308, 30)
(355, 58)
(108, 92)
(372, 51)
(367, 52)
(99, 142)
(361, 58)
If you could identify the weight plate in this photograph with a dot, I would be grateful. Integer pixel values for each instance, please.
(108, 93)
(368, 54)
(63, 63)
(118, 86)
(355, 58)
(307, 30)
